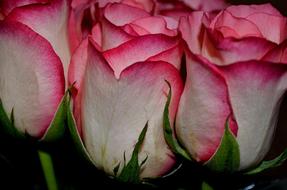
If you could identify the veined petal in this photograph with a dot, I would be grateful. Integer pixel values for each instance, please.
(255, 90)
(139, 49)
(50, 21)
(203, 109)
(31, 78)
(114, 111)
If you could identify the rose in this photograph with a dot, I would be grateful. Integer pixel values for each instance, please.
(31, 82)
(228, 84)
(228, 37)
(33, 47)
(248, 93)
(119, 78)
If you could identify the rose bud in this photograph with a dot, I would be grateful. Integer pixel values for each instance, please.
(242, 97)
(34, 52)
(119, 76)
(230, 103)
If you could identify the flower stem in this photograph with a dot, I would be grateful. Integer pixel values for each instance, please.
(48, 170)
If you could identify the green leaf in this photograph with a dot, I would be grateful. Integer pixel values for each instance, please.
(227, 157)
(131, 172)
(57, 127)
(168, 133)
(75, 134)
(7, 123)
(278, 161)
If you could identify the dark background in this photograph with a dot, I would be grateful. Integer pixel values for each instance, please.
(20, 167)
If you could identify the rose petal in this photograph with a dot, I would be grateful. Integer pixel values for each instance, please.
(260, 15)
(192, 31)
(203, 109)
(277, 54)
(240, 27)
(128, 14)
(97, 34)
(172, 56)
(50, 21)
(139, 49)
(244, 11)
(224, 51)
(153, 25)
(113, 36)
(31, 78)
(76, 74)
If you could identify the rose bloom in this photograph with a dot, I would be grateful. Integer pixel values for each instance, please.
(119, 72)
(33, 57)
(234, 71)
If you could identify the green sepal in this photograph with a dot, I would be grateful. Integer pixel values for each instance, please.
(76, 138)
(57, 127)
(7, 123)
(278, 161)
(227, 157)
(168, 133)
(131, 171)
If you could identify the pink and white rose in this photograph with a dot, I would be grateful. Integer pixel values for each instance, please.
(34, 54)
(119, 73)
(229, 75)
